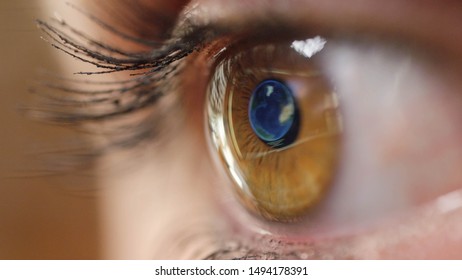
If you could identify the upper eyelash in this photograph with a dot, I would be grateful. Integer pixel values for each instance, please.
(152, 76)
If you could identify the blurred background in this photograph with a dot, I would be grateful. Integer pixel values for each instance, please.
(43, 215)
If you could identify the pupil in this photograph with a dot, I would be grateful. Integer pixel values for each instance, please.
(273, 113)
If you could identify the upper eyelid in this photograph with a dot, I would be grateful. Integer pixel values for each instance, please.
(415, 21)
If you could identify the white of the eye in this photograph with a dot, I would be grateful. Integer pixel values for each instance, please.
(309, 47)
(397, 110)
(368, 80)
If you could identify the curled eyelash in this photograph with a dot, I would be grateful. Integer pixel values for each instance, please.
(120, 113)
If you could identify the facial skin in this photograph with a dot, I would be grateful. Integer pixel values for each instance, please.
(174, 203)
(199, 190)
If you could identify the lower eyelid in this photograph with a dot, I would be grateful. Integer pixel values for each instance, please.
(414, 236)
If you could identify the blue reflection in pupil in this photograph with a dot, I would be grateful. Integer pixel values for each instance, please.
(273, 113)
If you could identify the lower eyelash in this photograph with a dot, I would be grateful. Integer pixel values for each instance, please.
(263, 247)
(86, 103)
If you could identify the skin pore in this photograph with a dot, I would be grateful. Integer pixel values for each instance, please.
(170, 202)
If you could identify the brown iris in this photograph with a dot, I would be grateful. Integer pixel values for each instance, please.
(280, 182)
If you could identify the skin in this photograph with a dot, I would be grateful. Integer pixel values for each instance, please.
(173, 203)
(397, 238)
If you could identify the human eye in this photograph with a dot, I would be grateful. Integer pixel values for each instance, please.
(278, 152)
(380, 140)
(355, 150)
(376, 81)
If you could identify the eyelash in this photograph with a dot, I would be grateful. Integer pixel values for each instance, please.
(152, 77)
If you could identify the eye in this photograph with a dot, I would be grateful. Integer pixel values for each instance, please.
(332, 134)
(274, 121)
